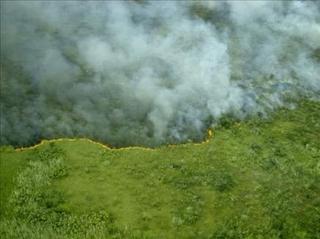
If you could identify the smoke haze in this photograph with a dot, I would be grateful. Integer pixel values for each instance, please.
(148, 73)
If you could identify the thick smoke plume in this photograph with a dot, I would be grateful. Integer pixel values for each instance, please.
(148, 73)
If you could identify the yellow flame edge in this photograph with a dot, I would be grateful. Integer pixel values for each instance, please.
(105, 146)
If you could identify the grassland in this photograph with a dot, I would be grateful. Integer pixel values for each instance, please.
(256, 179)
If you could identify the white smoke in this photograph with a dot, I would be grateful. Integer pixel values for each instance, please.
(130, 73)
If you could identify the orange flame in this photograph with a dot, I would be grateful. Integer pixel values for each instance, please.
(207, 140)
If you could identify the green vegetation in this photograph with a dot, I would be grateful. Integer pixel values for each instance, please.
(255, 179)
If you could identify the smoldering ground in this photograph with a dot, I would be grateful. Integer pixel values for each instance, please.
(150, 72)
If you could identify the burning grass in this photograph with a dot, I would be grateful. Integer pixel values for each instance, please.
(255, 179)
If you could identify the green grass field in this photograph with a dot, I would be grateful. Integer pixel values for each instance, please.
(256, 179)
